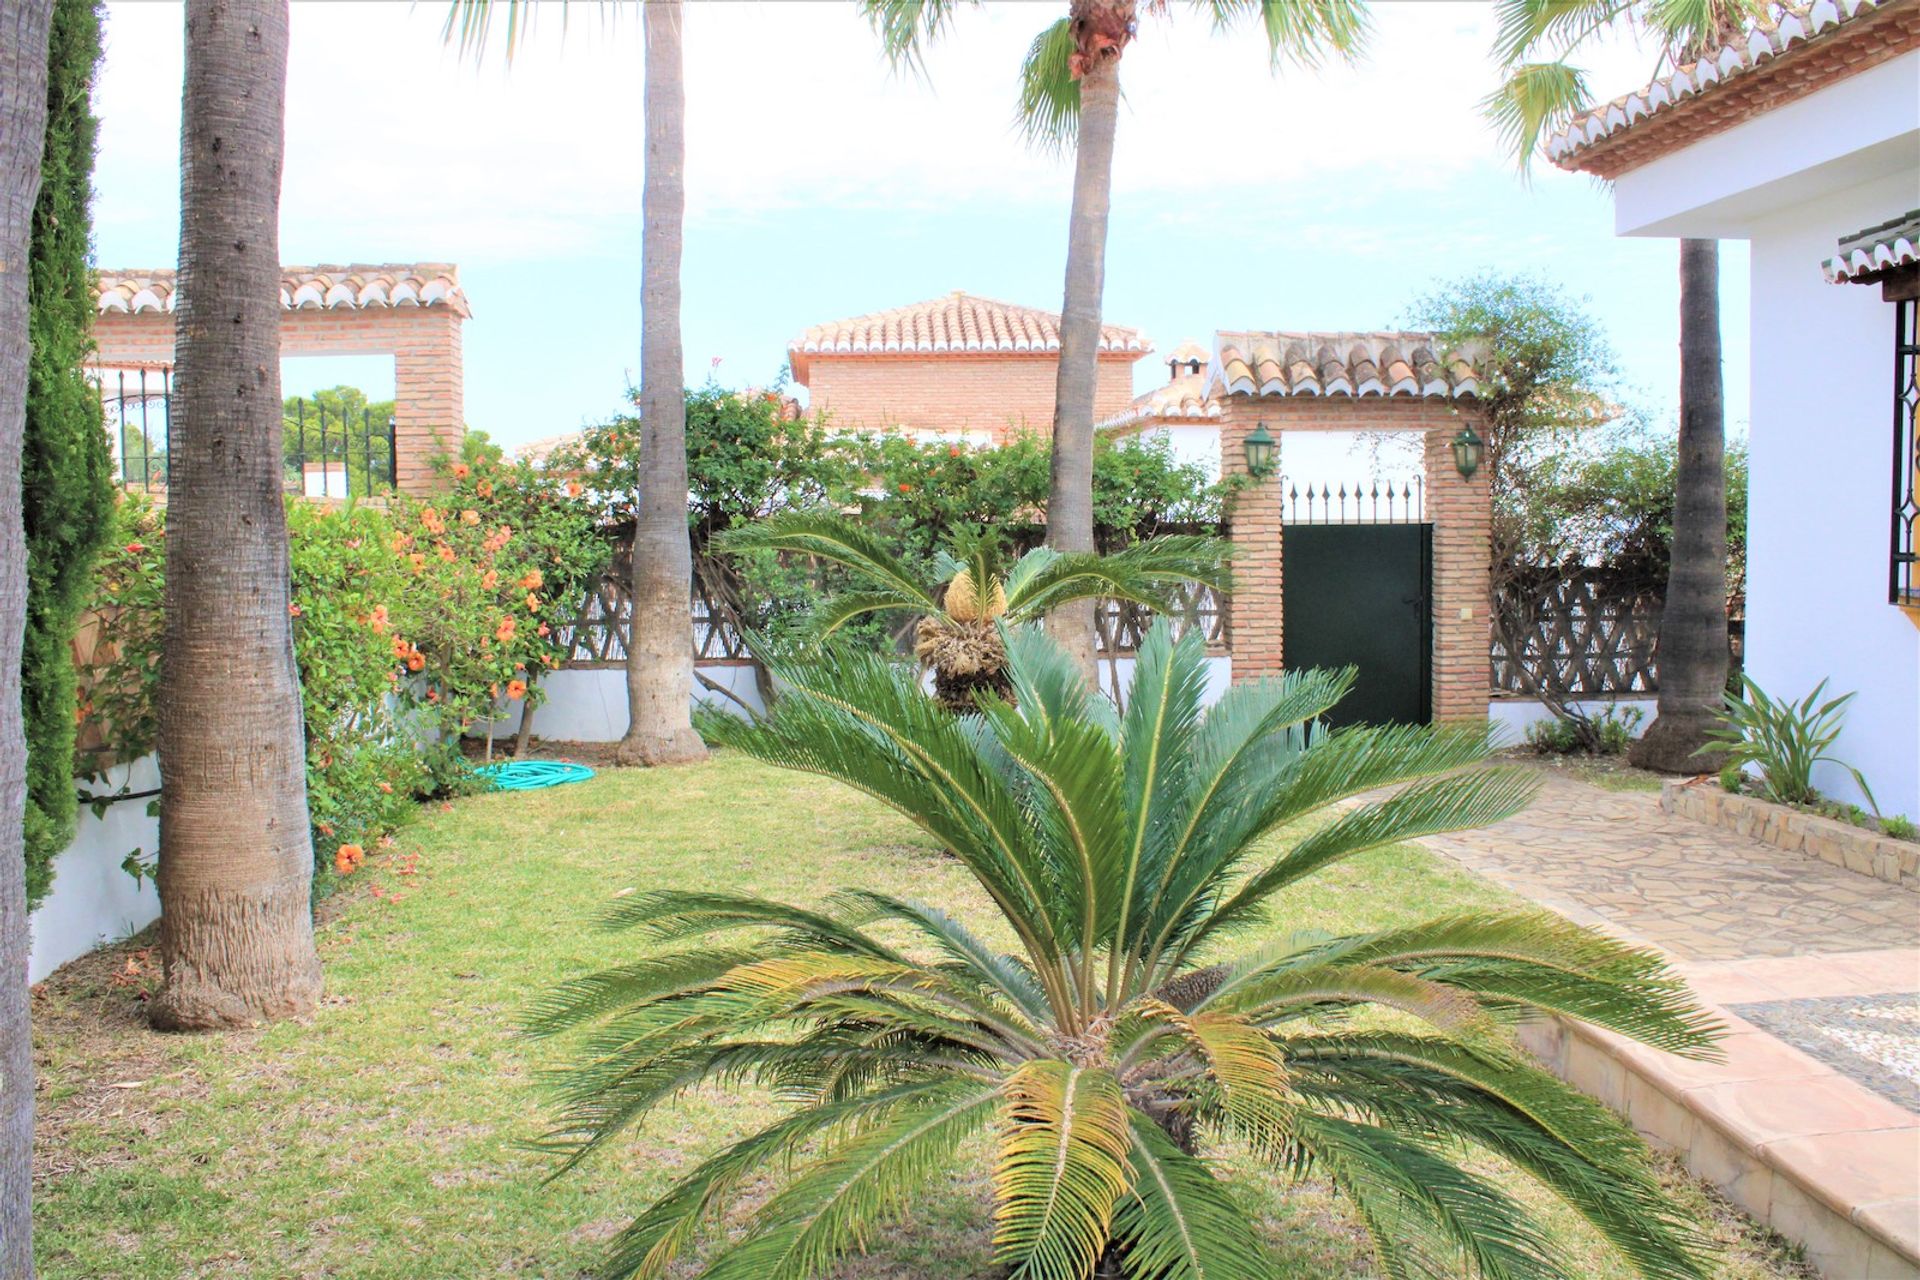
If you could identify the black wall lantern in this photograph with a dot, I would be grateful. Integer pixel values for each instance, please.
(1260, 449)
(1468, 448)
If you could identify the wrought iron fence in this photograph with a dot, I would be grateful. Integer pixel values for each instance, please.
(1903, 586)
(328, 451)
(1364, 502)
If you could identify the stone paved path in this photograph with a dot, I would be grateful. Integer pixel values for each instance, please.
(1696, 892)
(1807, 1121)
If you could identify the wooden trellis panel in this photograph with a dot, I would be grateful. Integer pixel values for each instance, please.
(597, 635)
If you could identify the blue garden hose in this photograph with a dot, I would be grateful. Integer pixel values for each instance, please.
(531, 775)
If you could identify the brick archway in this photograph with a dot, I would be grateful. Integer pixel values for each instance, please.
(1369, 383)
(412, 312)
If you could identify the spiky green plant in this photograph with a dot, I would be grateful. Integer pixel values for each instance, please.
(976, 592)
(1136, 1028)
(1786, 740)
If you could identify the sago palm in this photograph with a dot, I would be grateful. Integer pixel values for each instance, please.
(958, 636)
(1153, 1013)
(1070, 98)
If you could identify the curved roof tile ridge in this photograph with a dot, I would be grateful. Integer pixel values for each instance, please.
(318, 288)
(1784, 26)
(1271, 362)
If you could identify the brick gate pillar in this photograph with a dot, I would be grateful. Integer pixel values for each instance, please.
(1461, 512)
(1255, 623)
(429, 412)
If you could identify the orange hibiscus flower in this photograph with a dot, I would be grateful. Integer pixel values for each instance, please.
(504, 632)
(516, 689)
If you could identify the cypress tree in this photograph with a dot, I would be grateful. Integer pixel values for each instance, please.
(66, 470)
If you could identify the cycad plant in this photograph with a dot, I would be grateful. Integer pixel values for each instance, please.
(1136, 1030)
(977, 591)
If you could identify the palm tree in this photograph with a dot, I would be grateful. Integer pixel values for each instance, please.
(1070, 96)
(1543, 90)
(958, 636)
(24, 31)
(660, 628)
(236, 852)
(1134, 1028)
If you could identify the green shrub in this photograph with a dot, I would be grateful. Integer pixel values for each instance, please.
(403, 640)
(65, 469)
(1607, 734)
(1784, 739)
(1732, 779)
(1900, 827)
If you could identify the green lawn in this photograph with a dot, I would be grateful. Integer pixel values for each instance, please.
(378, 1138)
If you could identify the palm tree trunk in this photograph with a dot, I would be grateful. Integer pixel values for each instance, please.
(1101, 30)
(659, 641)
(236, 852)
(24, 27)
(1693, 623)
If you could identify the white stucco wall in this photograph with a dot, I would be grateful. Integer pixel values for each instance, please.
(93, 899)
(1792, 182)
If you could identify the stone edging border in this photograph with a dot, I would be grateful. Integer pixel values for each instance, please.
(1857, 850)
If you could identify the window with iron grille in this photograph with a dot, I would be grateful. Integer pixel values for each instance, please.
(1904, 574)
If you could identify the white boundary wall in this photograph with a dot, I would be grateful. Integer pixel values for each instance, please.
(94, 900)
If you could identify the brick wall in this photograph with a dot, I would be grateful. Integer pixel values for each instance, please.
(429, 405)
(1002, 395)
(1459, 510)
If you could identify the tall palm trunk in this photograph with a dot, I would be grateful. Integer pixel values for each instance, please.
(659, 641)
(24, 26)
(1693, 624)
(236, 854)
(1101, 30)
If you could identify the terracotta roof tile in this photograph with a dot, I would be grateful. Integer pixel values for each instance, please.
(1864, 255)
(423, 284)
(1709, 90)
(1183, 399)
(1338, 364)
(958, 323)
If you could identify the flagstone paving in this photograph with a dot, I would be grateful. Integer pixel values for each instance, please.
(1694, 891)
(1809, 1121)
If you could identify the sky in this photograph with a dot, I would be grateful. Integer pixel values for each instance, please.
(823, 184)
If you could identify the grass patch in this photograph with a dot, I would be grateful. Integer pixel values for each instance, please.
(378, 1139)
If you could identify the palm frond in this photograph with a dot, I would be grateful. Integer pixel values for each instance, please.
(595, 995)
(837, 540)
(1302, 32)
(1425, 1214)
(1579, 1149)
(832, 1204)
(1002, 973)
(650, 1243)
(674, 915)
(1048, 115)
(1180, 1223)
(1061, 1168)
(1146, 573)
(1423, 809)
(1547, 964)
(1525, 28)
(907, 27)
(1535, 97)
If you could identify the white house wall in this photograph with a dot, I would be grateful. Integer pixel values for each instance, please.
(1857, 131)
(1792, 181)
(1821, 479)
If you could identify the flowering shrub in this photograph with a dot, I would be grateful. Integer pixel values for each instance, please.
(496, 567)
(409, 626)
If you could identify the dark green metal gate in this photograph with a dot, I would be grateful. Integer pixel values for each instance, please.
(1359, 595)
